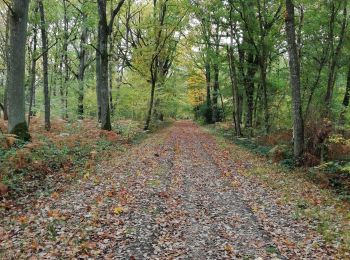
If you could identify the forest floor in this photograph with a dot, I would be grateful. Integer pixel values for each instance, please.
(180, 193)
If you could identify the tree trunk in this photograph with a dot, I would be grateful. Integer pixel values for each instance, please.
(209, 110)
(249, 89)
(294, 66)
(45, 65)
(111, 39)
(216, 89)
(18, 31)
(346, 100)
(64, 87)
(98, 79)
(110, 75)
(347, 91)
(234, 87)
(263, 73)
(32, 75)
(216, 92)
(7, 57)
(82, 67)
(103, 70)
(314, 86)
(149, 114)
(334, 62)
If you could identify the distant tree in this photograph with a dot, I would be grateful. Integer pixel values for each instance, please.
(45, 65)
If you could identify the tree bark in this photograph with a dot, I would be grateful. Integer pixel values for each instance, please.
(334, 61)
(250, 88)
(82, 67)
(45, 65)
(216, 86)
(104, 30)
(98, 77)
(103, 56)
(155, 61)
(16, 70)
(32, 75)
(347, 90)
(149, 114)
(294, 66)
(7, 57)
(65, 75)
(209, 110)
(346, 100)
(234, 85)
(263, 73)
(215, 92)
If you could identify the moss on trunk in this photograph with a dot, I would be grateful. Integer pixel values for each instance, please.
(21, 130)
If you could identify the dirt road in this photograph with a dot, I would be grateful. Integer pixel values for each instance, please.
(176, 195)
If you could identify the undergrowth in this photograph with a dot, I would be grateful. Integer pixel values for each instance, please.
(68, 152)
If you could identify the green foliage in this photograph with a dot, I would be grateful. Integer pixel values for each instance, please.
(251, 145)
(333, 167)
(204, 112)
(288, 163)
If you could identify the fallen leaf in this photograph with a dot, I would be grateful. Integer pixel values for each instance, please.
(118, 210)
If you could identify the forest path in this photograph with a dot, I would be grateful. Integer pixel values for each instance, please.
(176, 195)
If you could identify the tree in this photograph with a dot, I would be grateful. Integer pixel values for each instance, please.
(294, 67)
(104, 30)
(16, 68)
(32, 74)
(7, 60)
(334, 59)
(233, 77)
(45, 50)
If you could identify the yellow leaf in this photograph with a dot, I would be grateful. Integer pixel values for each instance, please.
(55, 195)
(235, 184)
(86, 175)
(22, 219)
(228, 248)
(118, 210)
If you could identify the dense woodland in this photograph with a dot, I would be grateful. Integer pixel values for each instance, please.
(266, 66)
(123, 118)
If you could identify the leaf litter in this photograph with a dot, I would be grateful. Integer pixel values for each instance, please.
(175, 195)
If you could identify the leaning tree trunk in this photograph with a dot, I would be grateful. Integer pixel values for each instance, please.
(334, 62)
(294, 66)
(18, 31)
(45, 66)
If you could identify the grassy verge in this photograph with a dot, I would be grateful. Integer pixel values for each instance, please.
(322, 207)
